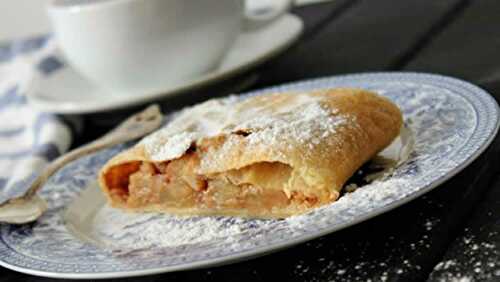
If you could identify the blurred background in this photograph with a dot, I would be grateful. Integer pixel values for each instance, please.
(25, 18)
(22, 18)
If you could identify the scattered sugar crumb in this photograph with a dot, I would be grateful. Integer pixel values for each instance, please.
(445, 264)
(478, 261)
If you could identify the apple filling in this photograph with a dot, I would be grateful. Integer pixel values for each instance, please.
(257, 187)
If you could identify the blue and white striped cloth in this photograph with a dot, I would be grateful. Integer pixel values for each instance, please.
(28, 139)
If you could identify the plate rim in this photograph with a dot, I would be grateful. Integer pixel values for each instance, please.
(248, 254)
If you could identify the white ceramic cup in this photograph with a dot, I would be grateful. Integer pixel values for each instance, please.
(141, 46)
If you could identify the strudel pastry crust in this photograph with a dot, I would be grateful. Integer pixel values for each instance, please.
(269, 156)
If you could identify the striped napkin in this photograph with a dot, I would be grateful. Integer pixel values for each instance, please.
(28, 139)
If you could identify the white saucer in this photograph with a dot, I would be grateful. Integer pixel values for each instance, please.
(65, 91)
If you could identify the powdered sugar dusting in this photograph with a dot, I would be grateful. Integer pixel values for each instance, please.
(191, 124)
(303, 119)
(117, 230)
(386, 189)
(305, 126)
(112, 229)
(172, 146)
(479, 259)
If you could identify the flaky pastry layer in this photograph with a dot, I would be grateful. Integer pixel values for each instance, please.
(269, 156)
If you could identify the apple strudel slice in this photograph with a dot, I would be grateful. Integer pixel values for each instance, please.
(268, 156)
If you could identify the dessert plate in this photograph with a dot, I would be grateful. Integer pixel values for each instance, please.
(451, 122)
(65, 91)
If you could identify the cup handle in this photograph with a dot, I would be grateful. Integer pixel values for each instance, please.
(260, 13)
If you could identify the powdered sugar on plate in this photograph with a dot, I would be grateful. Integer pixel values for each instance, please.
(118, 230)
(113, 228)
(122, 231)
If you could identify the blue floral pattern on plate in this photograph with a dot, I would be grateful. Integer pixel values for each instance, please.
(453, 122)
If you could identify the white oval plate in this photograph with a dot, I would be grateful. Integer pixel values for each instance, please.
(452, 122)
(65, 91)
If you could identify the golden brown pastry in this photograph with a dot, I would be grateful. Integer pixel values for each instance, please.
(269, 156)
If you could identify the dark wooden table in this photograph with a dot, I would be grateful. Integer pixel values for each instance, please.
(451, 233)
